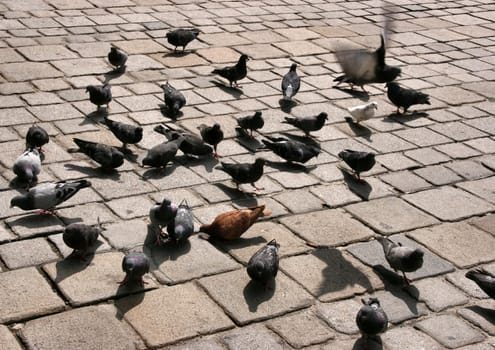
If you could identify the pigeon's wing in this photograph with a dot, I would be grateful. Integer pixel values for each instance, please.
(358, 64)
(46, 196)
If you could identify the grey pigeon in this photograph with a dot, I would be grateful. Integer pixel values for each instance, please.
(182, 226)
(252, 122)
(182, 37)
(405, 98)
(99, 95)
(263, 265)
(28, 165)
(160, 155)
(81, 237)
(191, 145)
(484, 279)
(135, 265)
(234, 73)
(291, 83)
(117, 58)
(36, 137)
(291, 150)
(174, 99)
(107, 156)
(371, 319)
(358, 161)
(244, 173)
(47, 196)
(126, 133)
(161, 214)
(308, 124)
(212, 135)
(404, 259)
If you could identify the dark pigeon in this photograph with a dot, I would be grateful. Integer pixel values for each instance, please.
(371, 319)
(251, 122)
(263, 265)
(308, 124)
(244, 173)
(126, 133)
(400, 258)
(191, 145)
(484, 279)
(182, 37)
(107, 156)
(160, 155)
(135, 265)
(162, 214)
(212, 135)
(81, 237)
(358, 161)
(174, 99)
(36, 137)
(28, 165)
(291, 150)
(234, 73)
(182, 226)
(291, 83)
(117, 58)
(99, 95)
(405, 98)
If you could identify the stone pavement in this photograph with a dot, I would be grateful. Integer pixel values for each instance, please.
(433, 185)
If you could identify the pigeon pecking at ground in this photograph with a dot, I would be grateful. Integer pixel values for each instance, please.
(135, 265)
(263, 265)
(182, 37)
(174, 99)
(244, 173)
(291, 83)
(126, 133)
(81, 237)
(212, 135)
(36, 136)
(234, 73)
(371, 319)
(99, 95)
(162, 214)
(27, 166)
(191, 145)
(251, 122)
(108, 157)
(160, 155)
(291, 150)
(182, 226)
(232, 224)
(405, 98)
(363, 112)
(308, 124)
(117, 58)
(358, 161)
(484, 279)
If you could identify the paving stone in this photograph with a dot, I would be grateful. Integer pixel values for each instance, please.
(457, 150)
(443, 203)
(405, 181)
(93, 327)
(438, 294)
(46, 52)
(15, 116)
(450, 331)
(395, 161)
(80, 66)
(201, 344)
(399, 306)
(25, 294)
(145, 314)
(460, 243)
(469, 287)
(28, 71)
(486, 223)
(408, 338)
(8, 340)
(469, 169)
(127, 183)
(5, 234)
(457, 131)
(338, 227)
(126, 234)
(289, 181)
(252, 337)
(27, 253)
(385, 143)
(422, 137)
(484, 188)
(438, 175)
(335, 194)
(131, 207)
(261, 51)
(340, 316)
(427, 156)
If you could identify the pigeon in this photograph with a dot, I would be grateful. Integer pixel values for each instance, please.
(36, 137)
(162, 214)
(191, 144)
(405, 98)
(251, 122)
(363, 112)
(99, 95)
(234, 73)
(107, 156)
(212, 135)
(160, 155)
(28, 165)
(47, 196)
(244, 173)
(263, 265)
(182, 226)
(291, 83)
(232, 224)
(291, 150)
(484, 279)
(308, 124)
(404, 259)
(117, 58)
(358, 161)
(174, 99)
(126, 133)
(371, 319)
(135, 265)
(182, 37)
(81, 237)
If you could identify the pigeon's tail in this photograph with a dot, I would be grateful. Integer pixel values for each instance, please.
(216, 71)
(82, 184)
(269, 144)
(289, 120)
(83, 145)
(423, 99)
(478, 275)
(340, 79)
(385, 242)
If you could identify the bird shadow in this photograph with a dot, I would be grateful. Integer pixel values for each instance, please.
(363, 96)
(247, 141)
(169, 250)
(228, 245)
(368, 343)
(256, 293)
(358, 129)
(286, 105)
(486, 313)
(113, 74)
(158, 173)
(128, 154)
(360, 187)
(99, 172)
(231, 90)
(167, 113)
(95, 116)
(404, 118)
(74, 263)
(130, 302)
(232, 192)
(175, 53)
(34, 221)
(289, 167)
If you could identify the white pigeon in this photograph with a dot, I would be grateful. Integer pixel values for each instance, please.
(28, 165)
(363, 112)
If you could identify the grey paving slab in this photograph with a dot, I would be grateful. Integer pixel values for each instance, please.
(486, 223)
(8, 340)
(439, 294)
(255, 336)
(27, 253)
(480, 315)
(483, 188)
(408, 338)
(341, 315)
(399, 306)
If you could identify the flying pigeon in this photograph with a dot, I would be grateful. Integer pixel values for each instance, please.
(484, 279)
(81, 237)
(36, 137)
(28, 165)
(232, 224)
(405, 98)
(126, 133)
(117, 58)
(99, 95)
(244, 173)
(135, 265)
(363, 112)
(251, 122)
(308, 124)
(358, 161)
(160, 155)
(212, 135)
(182, 37)
(162, 214)
(291, 83)
(234, 73)
(47, 196)
(182, 226)
(191, 145)
(263, 265)
(107, 156)
(291, 150)
(174, 99)
(371, 319)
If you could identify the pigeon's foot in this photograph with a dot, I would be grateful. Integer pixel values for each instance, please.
(123, 282)
(216, 155)
(47, 212)
(407, 280)
(364, 90)
(257, 188)
(142, 282)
